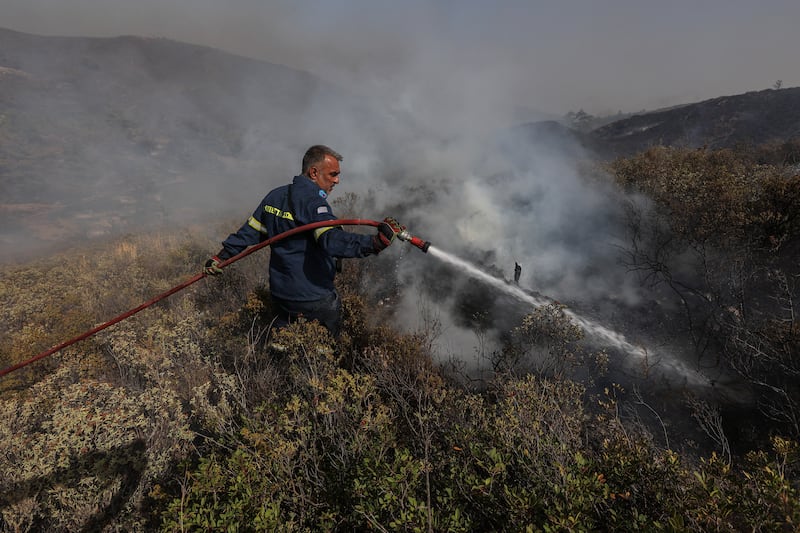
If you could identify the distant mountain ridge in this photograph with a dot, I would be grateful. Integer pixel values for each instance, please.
(113, 129)
(138, 98)
(752, 118)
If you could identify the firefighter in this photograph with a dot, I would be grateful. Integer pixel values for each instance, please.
(517, 272)
(302, 267)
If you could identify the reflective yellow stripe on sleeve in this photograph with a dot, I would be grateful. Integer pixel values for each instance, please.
(319, 231)
(256, 225)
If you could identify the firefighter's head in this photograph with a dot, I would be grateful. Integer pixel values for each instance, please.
(321, 165)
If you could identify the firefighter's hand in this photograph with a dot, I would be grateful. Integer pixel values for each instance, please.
(212, 266)
(387, 231)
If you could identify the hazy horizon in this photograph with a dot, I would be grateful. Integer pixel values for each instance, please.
(507, 56)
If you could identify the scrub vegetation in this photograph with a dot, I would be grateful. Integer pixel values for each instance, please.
(723, 234)
(184, 417)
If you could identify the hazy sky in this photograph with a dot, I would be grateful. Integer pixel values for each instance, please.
(553, 56)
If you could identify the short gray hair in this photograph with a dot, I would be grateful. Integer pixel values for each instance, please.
(316, 154)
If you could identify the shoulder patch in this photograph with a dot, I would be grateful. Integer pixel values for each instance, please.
(323, 194)
(323, 209)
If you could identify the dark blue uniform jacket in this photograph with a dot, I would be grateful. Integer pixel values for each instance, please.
(301, 267)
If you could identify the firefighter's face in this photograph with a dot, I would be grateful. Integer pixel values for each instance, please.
(325, 174)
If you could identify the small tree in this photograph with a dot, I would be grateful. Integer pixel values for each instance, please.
(580, 120)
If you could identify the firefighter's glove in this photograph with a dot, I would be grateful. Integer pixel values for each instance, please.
(212, 266)
(387, 231)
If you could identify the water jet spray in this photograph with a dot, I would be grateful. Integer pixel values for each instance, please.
(599, 332)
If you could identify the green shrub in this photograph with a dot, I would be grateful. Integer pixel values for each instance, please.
(82, 452)
(183, 418)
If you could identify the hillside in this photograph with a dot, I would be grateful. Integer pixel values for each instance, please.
(99, 135)
(184, 418)
(752, 118)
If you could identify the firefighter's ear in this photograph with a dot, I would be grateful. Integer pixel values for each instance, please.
(314, 175)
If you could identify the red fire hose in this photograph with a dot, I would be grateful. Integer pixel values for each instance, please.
(416, 241)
